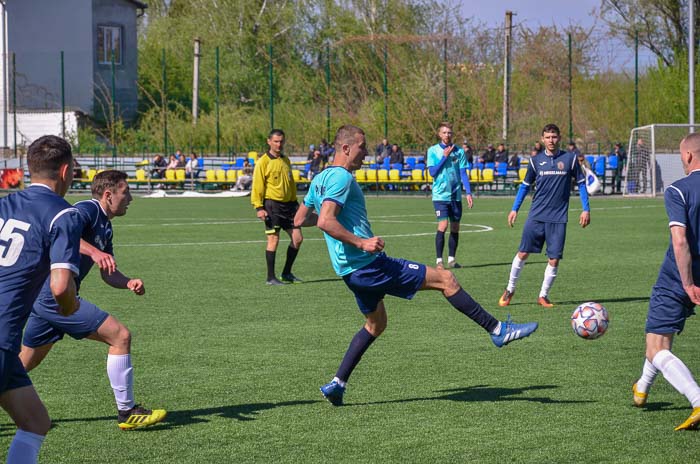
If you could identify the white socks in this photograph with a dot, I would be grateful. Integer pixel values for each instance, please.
(340, 382)
(121, 377)
(497, 330)
(678, 375)
(550, 273)
(24, 448)
(515, 269)
(649, 373)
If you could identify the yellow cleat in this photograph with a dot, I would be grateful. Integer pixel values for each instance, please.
(639, 398)
(505, 298)
(692, 422)
(139, 417)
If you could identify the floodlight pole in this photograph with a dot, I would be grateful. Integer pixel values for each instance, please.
(195, 82)
(571, 118)
(506, 74)
(691, 64)
(636, 78)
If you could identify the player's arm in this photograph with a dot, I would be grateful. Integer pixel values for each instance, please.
(328, 222)
(523, 190)
(62, 283)
(305, 217)
(684, 262)
(104, 261)
(118, 280)
(435, 169)
(467, 187)
(580, 176)
(257, 192)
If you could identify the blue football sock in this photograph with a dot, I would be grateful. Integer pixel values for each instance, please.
(452, 244)
(439, 243)
(359, 344)
(466, 305)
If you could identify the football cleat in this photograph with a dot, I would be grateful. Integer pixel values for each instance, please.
(692, 422)
(544, 302)
(274, 281)
(639, 398)
(139, 417)
(454, 265)
(511, 332)
(504, 300)
(439, 265)
(333, 392)
(291, 278)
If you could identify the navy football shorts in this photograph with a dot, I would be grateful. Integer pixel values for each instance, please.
(669, 307)
(385, 276)
(46, 325)
(451, 210)
(12, 373)
(535, 233)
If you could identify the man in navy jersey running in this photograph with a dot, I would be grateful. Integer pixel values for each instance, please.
(46, 326)
(551, 170)
(39, 236)
(357, 256)
(676, 291)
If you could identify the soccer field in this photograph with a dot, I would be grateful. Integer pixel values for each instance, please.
(238, 364)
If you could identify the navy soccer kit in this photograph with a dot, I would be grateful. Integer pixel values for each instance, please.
(39, 231)
(550, 206)
(670, 305)
(45, 324)
(448, 181)
(369, 276)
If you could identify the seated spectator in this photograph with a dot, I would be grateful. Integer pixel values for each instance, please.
(181, 161)
(315, 165)
(489, 156)
(77, 170)
(192, 167)
(514, 161)
(468, 152)
(396, 155)
(159, 167)
(538, 148)
(382, 151)
(326, 151)
(501, 154)
(173, 163)
(245, 180)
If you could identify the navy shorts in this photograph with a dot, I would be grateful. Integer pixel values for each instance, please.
(46, 325)
(12, 373)
(535, 233)
(669, 307)
(385, 276)
(451, 210)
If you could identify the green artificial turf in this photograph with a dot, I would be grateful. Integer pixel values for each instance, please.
(238, 364)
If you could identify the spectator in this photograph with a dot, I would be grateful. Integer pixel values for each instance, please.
(382, 150)
(638, 170)
(573, 149)
(315, 165)
(310, 155)
(159, 167)
(468, 152)
(501, 154)
(192, 167)
(396, 155)
(245, 180)
(514, 161)
(326, 151)
(538, 148)
(181, 161)
(489, 156)
(618, 151)
(173, 163)
(77, 170)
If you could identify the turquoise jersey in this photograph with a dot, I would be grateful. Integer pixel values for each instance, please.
(447, 184)
(336, 184)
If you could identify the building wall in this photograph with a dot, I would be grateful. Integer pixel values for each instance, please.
(117, 13)
(37, 32)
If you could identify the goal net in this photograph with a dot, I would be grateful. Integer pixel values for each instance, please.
(653, 158)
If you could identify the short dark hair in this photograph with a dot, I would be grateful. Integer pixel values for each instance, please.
(46, 155)
(444, 124)
(551, 128)
(275, 132)
(106, 180)
(346, 134)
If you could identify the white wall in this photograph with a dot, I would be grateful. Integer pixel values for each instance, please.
(31, 126)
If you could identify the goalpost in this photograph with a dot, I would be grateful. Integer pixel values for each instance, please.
(653, 158)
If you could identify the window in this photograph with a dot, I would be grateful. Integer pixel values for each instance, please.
(109, 40)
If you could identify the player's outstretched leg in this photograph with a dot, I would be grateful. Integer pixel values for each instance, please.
(502, 333)
(640, 390)
(375, 324)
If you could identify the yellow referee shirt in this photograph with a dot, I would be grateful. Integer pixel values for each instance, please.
(272, 180)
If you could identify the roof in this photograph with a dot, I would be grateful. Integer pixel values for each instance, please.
(138, 4)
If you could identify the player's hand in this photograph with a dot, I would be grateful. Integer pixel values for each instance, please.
(470, 200)
(372, 245)
(694, 294)
(136, 286)
(447, 150)
(104, 261)
(585, 218)
(512, 216)
(261, 214)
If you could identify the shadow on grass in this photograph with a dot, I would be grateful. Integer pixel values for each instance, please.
(604, 301)
(479, 393)
(662, 406)
(320, 281)
(477, 266)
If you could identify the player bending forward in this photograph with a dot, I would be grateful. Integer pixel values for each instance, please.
(46, 326)
(356, 255)
(676, 292)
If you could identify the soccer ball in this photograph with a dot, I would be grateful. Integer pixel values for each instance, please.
(590, 320)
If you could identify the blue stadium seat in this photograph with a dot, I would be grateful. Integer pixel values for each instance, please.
(411, 162)
(225, 167)
(501, 169)
(490, 165)
(479, 165)
(239, 163)
(612, 162)
(397, 166)
(591, 160)
(600, 166)
(386, 164)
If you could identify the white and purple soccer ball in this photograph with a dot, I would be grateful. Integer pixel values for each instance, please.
(590, 320)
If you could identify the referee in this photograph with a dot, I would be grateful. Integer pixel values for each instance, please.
(274, 197)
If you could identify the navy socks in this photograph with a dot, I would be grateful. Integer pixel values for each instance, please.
(359, 344)
(467, 306)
